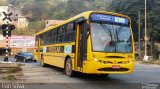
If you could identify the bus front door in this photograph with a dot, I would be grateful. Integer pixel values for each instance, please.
(81, 45)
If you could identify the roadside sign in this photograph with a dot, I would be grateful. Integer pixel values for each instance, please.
(22, 42)
(7, 16)
(146, 58)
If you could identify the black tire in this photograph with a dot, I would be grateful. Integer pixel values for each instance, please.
(42, 62)
(68, 68)
(35, 60)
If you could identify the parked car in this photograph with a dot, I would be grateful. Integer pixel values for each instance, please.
(24, 57)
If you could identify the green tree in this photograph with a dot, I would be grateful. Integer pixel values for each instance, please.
(131, 9)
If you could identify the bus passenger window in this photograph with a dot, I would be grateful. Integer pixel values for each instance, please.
(60, 34)
(70, 32)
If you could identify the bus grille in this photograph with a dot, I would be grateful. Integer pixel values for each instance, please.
(111, 69)
(110, 62)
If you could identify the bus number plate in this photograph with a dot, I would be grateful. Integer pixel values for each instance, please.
(115, 67)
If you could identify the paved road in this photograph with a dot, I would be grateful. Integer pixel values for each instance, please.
(34, 73)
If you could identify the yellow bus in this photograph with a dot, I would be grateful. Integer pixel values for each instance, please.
(93, 42)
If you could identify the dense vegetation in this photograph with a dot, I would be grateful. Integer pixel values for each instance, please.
(41, 10)
(57, 9)
(132, 8)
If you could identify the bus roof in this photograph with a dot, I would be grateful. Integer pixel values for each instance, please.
(84, 14)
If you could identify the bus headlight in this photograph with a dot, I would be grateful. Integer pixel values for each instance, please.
(95, 59)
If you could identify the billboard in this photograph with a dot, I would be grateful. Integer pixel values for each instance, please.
(22, 42)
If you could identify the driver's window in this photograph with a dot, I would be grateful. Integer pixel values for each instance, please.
(123, 31)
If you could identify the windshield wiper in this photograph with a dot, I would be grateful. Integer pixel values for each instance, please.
(112, 43)
(105, 27)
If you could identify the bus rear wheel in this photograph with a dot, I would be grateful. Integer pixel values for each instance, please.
(68, 68)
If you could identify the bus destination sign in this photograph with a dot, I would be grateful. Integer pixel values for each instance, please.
(109, 18)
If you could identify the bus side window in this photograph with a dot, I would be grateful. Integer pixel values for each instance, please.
(60, 34)
(69, 32)
(41, 39)
(46, 38)
(53, 35)
(49, 37)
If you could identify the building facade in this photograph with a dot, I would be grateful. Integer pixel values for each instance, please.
(52, 23)
(22, 22)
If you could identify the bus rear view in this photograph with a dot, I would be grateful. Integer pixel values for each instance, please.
(110, 45)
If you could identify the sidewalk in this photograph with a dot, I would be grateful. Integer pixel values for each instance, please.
(155, 62)
(9, 67)
(7, 64)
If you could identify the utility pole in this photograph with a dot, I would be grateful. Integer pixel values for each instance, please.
(145, 32)
(139, 32)
(6, 28)
(7, 31)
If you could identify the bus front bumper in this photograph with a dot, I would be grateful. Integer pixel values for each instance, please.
(94, 67)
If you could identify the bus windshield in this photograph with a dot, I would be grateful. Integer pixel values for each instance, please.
(111, 38)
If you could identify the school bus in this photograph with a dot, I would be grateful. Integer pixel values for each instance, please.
(93, 42)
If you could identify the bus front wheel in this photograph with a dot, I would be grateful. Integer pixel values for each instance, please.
(68, 68)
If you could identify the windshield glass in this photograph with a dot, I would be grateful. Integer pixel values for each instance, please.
(111, 38)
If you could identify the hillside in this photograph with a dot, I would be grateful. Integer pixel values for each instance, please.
(57, 9)
(40, 10)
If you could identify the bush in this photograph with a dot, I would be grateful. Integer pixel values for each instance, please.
(156, 53)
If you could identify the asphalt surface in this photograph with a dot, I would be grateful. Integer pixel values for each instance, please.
(145, 76)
